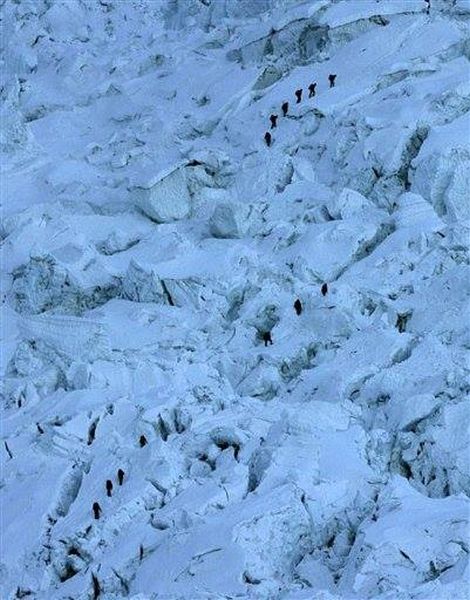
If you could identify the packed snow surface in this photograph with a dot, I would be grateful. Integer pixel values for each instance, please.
(151, 240)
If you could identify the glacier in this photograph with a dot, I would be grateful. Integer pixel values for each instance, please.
(150, 240)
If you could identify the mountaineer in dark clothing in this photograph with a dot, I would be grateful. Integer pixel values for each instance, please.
(331, 79)
(273, 119)
(312, 90)
(96, 510)
(298, 95)
(402, 320)
(96, 586)
(120, 476)
(324, 289)
(285, 108)
(109, 487)
(267, 138)
(142, 441)
(298, 306)
(267, 339)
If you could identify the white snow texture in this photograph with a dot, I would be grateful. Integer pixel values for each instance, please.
(151, 241)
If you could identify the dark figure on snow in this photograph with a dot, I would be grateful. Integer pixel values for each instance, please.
(267, 339)
(312, 90)
(142, 441)
(109, 487)
(332, 79)
(428, 6)
(402, 320)
(298, 306)
(268, 138)
(324, 289)
(96, 586)
(273, 119)
(120, 476)
(285, 108)
(298, 95)
(96, 510)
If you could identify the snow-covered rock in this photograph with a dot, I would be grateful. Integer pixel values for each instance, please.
(230, 220)
(165, 198)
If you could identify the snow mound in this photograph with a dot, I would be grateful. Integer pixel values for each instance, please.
(165, 198)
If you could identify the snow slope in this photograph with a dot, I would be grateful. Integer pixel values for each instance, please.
(150, 238)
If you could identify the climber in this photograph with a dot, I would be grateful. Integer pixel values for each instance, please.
(331, 79)
(267, 338)
(298, 95)
(96, 586)
(312, 90)
(92, 433)
(142, 441)
(285, 108)
(401, 322)
(428, 6)
(324, 289)
(109, 487)
(267, 138)
(120, 476)
(39, 428)
(273, 119)
(298, 306)
(96, 510)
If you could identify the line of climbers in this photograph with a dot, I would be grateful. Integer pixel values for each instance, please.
(97, 510)
(312, 90)
(267, 337)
